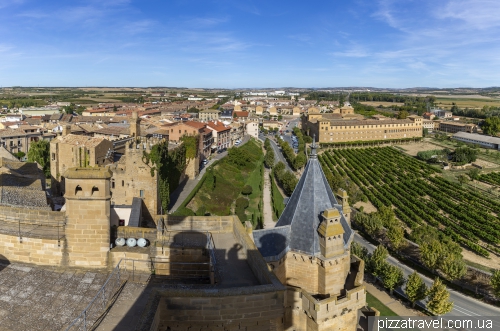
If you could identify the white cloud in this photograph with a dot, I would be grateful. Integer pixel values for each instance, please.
(477, 14)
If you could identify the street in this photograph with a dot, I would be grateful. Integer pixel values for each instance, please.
(463, 305)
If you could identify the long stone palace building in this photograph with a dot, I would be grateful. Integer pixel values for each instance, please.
(205, 272)
(339, 128)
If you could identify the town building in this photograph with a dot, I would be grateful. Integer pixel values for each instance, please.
(338, 131)
(428, 124)
(453, 127)
(21, 138)
(252, 129)
(209, 115)
(477, 139)
(69, 150)
(221, 135)
(205, 141)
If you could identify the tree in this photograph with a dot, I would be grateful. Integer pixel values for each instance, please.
(425, 132)
(392, 277)
(370, 222)
(396, 235)
(193, 110)
(237, 157)
(269, 158)
(359, 251)
(267, 143)
(415, 288)
(453, 266)
(474, 173)
(438, 299)
(300, 161)
(247, 190)
(387, 216)
(495, 282)
(39, 152)
(430, 254)
(491, 126)
(20, 154)
(308, 140)
(462, 179)
(403, 114)
(377, 260)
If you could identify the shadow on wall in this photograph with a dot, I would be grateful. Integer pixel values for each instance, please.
(187, 275)
(4, 262)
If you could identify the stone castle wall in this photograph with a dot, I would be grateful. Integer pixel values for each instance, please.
(43, 250)
(227, 309)
(132, 178)
(31, 250)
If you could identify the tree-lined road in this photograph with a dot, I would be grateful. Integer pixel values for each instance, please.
(463, 305)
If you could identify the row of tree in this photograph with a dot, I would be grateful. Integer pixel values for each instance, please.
(392, 277)
(285, 178)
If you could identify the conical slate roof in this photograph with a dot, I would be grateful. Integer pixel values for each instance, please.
(297, 227)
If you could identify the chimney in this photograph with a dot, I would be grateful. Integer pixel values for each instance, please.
(66, 130)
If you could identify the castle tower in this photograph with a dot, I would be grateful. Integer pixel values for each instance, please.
(88, 216)
(344, 201)
(135, 125)
(331, 232)
(308, 251)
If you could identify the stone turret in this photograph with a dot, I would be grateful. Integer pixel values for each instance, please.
(135, 125)
(331, 240)
(88, 216)
(344, 201)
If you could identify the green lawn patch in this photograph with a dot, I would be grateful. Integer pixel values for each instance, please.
(375, 303)
(277, 199)
(479, 266)
(224, 181)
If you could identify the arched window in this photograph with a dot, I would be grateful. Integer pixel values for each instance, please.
(78, 190)
(94, 190)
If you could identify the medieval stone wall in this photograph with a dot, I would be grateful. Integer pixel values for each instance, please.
(302, 271)
(31, 250)
(229, 309)
(132, 178)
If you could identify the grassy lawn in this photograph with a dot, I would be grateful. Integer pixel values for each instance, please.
(224, 182)
(277, 200)
(375, 303)
(254, 210)
(479, 266)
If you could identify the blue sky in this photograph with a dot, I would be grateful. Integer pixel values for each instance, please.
(233, 43)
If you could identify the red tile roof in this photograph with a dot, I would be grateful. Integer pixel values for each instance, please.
(241, 113)
(218, 126)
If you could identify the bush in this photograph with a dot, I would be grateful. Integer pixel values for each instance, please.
(247, 190)
(183, 211)
(241, 203)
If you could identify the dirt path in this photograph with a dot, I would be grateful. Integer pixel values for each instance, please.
(268, 209)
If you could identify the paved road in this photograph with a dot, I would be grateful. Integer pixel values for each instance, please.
(463, 305)
(278, 156)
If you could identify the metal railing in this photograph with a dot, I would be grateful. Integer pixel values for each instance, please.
(33, 229)
(101, 302)
(137, 270)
